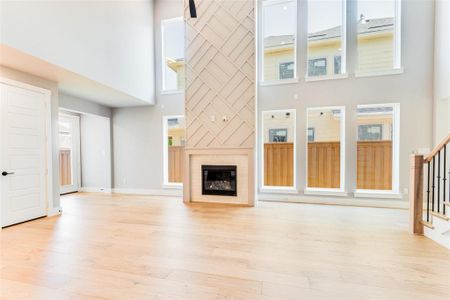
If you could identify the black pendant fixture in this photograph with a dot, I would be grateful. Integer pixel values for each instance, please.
(192, 9)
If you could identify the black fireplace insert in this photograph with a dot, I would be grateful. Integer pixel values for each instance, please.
(219, 180)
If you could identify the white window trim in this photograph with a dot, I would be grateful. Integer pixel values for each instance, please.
(397, 48)
(342, 141)
(166, 183)
(278, 82)
(164, 90)
(265, 3)
(343, 52)
(395, 191)
(382, 72)
(326, 77)
(279, 189)
(325, 192)
(377, 194)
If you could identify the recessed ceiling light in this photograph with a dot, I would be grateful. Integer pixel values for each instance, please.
(284, 7)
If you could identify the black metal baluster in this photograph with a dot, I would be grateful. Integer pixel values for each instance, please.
(432, 188)
(445, 178)
(439, 183)
(428, 193)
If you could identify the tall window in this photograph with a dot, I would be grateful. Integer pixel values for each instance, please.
(378, 145)
(173, 66)
(326, 37)
(379, 35)
(279, 148)
(279, 26)
(326, 154)
(174, 140)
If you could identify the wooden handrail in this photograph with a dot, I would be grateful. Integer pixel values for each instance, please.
(438, 148)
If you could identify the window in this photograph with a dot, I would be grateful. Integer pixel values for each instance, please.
(278, 146)
(337, 64)
(174, 140)
(317, 67)
(311, 134)
(173, 67)
(279, 29)
(378, 35)
(370, 132)
(377, 147)
(325, 152)
(287, 70)
(326, 37)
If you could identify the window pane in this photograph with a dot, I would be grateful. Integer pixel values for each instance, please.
(65, 153)
(279, 136)
(324, 36)
(173, 54)
(324, 147)
(176, 139)
(376, 32)
(375, 134)
(279, 30)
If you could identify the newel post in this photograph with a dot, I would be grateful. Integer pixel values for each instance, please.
(416, 194)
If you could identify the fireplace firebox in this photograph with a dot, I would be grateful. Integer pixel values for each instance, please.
(219, 180)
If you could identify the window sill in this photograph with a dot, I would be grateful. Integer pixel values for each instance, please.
(326, 77)
(377, 194)
(325, 192)
(173, 186)
(278, 190)
(278, 82)
(172, 92)
(379, 72)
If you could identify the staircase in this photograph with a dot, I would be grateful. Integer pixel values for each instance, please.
(430, 194)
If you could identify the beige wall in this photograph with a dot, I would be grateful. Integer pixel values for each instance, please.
(326, 126)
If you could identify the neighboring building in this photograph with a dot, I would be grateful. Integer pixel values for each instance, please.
(178, 66)
(375, 38)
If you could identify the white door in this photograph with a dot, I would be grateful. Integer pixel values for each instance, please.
(23, 158)
(69, 153)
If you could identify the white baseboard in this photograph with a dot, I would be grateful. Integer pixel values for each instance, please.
(95, 190)
(152, 192)
(54, 211)
(380, 203)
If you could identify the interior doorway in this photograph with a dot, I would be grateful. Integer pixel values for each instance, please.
(69, 153)
(25, 152)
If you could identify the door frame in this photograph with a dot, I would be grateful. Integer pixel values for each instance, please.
(49, 138)
(77, 147)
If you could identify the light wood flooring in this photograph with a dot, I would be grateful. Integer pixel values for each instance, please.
(136, 247)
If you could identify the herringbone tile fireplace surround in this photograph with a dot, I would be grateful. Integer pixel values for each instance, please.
(220, 95)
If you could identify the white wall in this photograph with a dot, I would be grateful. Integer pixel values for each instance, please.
(413, 89)
(442, 71)
(107, 41)
(138, 132)
(79, 105)
(95, 152)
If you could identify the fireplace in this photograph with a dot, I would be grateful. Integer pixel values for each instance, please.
(219, 180)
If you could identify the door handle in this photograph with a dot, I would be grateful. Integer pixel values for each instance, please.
(4, 173)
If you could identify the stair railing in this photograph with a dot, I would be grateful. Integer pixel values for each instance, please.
(437, 184)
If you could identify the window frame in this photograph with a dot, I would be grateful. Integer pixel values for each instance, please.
(397, 67)
(341, 190)
(315, 58)
(262, 80)
(165, 22)
(279, 189)
(279, 66)
(395, 191)
(165, 135)
(343, 52)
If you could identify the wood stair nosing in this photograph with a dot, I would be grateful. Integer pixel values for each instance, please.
(427, 224)
(440, 215)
